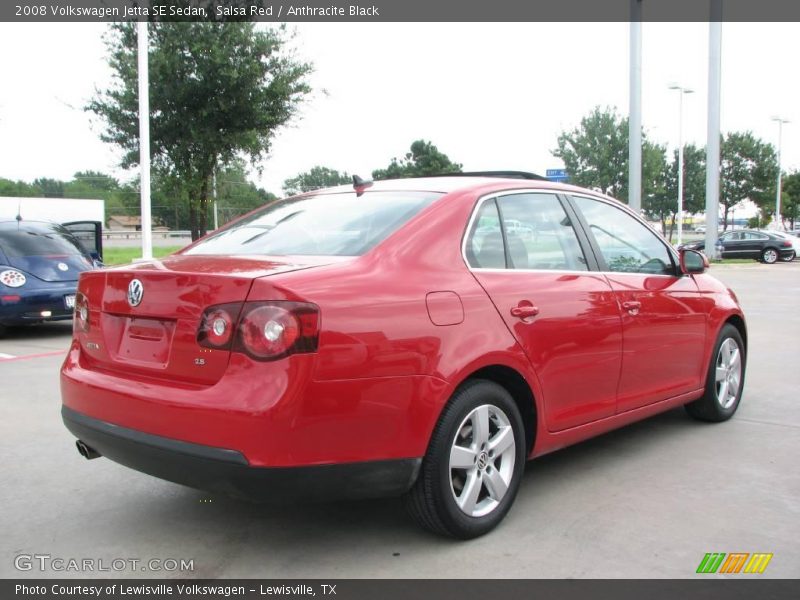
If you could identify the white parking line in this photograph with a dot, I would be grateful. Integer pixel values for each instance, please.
(4, 355)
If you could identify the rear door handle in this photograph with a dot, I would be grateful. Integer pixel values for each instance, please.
(632, 306)
(524, 311)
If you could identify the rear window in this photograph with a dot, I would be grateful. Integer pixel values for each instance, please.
(326, 225)
(37, 239)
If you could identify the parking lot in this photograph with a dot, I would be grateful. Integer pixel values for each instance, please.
(647, 501)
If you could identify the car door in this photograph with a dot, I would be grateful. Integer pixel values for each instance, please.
(564, 315)
(663, 313)
(733, 245)
(90, 235)
(753, 243)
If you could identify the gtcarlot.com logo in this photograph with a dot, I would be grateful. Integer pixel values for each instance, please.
(47, 562)
(735, 562)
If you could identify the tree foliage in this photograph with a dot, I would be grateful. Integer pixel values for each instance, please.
(595, 155)
(423, 159)
(749, 171)
(662, 204)
(318, 177)
(217, 92)
(790, 198)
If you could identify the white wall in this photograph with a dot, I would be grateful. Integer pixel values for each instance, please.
(58, 210)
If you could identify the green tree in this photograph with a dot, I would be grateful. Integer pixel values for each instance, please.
(318, 177)
(217, 92)
(423, 159)
(49, 188)
(595, 155)
(18, 189)
(748, 172)
(662, 203)
(790, 198)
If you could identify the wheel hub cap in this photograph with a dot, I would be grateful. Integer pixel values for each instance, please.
(728, 373)
(482, 457)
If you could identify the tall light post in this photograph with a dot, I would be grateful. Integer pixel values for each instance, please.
(681, 92)
(777, 222)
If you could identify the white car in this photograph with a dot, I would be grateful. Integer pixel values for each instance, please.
(795, 244)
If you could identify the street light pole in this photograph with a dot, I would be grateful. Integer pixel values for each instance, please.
(144, 140)
(681, 92)
(777, 220)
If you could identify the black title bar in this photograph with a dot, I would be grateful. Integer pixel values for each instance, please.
(394, 10)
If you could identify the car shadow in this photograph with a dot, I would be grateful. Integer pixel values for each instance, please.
(37, 331)
(286, 525)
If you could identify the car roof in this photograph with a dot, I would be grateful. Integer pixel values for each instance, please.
(448, 184)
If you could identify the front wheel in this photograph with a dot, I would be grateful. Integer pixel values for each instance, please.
(725, 379)
(769, 255)
(472, 470)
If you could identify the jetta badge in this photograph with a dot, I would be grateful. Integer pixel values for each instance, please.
(135, 292)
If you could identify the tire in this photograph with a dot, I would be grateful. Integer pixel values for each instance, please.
(789, 258)
(436, 499)
(769, 256)
(722, 397)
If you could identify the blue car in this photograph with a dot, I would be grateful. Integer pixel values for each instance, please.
(39, 268)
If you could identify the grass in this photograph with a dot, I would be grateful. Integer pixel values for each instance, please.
(124, 255)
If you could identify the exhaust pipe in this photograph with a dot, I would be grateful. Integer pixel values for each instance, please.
(87, 452)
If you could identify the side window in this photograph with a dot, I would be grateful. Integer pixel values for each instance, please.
(485, 247)
(539, 233)
(626, 244)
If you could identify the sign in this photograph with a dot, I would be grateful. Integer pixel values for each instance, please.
(557, 175)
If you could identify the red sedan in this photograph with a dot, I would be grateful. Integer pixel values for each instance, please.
(417, 337)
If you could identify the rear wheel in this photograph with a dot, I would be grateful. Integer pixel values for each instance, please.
(724, 381)
(789, 258)
(769, 255)
(472, 470)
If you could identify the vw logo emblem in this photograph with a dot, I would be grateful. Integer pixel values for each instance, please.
(135, 292)
(63, 266)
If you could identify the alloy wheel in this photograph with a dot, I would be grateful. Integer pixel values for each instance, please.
(728, 373)
(482, 459)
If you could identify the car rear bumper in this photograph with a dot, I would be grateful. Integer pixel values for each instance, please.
(228, 471)
(31, 308)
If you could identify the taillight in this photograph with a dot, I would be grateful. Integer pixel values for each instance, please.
(262, 330)
(218, 326)
(787, 244)
(80, 320)
(272, 330)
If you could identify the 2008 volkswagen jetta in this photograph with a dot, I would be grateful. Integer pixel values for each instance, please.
(418, 337)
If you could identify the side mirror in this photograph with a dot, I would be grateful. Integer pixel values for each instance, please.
(692, 261)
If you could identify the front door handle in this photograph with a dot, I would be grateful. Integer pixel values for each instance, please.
(523, 311)
(632, 306)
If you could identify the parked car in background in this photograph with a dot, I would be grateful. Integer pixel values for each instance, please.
(700, 229)
(765, 246)
(39, 267)
(398, 338)
(795, 240)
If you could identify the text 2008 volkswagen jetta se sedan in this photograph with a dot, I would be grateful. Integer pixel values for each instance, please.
(422, 337)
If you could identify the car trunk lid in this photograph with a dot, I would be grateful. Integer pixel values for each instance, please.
(149, 313)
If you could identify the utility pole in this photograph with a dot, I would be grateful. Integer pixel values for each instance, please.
(682, 91)
(778, 222)
(714, 131)
(144, 141)
(635, 109)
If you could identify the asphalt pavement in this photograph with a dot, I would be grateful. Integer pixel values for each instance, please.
(646, 501)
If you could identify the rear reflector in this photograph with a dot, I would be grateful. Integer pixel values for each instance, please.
(80, 319)
(217, 326)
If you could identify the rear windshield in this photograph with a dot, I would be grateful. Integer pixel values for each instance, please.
(37, 239)
(326, 225)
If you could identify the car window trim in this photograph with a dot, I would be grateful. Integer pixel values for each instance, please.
(592, 266)
(596, 246)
